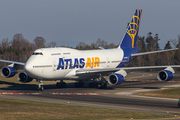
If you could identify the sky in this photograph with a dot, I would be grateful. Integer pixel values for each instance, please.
(68, 22)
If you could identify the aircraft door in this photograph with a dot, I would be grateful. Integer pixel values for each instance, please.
(108, 62)
(54, 66)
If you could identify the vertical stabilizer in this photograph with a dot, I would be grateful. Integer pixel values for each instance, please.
(130, 37)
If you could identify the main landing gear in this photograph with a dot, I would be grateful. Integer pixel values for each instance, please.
(40, 85)
(61, 84)
(99, 82)
(79, 84)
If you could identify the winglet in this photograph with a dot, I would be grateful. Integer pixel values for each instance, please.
(130, 37)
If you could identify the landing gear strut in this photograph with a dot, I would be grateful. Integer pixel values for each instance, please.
(61, 84)
(40, 85)
(99, 82)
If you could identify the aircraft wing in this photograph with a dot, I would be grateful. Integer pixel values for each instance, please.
(7, 61)
(144, 53)
(90, 71)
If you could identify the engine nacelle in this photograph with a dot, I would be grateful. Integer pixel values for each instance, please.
(115, 79)
(165, 75)
(8, 71)
(24, 78)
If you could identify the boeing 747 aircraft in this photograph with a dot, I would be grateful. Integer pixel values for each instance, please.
(47, 64)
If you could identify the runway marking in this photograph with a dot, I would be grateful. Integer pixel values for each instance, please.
(75, 94)
(20, 93)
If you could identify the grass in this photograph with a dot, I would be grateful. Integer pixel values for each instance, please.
(29, 110)
(165, 93)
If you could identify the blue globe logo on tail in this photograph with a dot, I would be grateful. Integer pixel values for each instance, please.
(134, 26)
(130, 38)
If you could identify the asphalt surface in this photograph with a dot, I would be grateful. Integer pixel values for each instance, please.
(114, 97)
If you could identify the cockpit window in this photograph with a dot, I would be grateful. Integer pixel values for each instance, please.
(37, 53)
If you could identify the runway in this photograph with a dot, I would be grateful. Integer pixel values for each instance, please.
(104, 98)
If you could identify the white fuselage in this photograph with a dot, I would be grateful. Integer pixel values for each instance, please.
(62, 63)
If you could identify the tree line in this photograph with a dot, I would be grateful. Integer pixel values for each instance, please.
(20, 49)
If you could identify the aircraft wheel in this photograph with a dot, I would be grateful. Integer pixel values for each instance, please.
(64, 84)
(91, 85)
(79, 84)
(57, 85)
(105, 85)
(40, 88)
(61, 84)
(99, 85)
(76, 85)
(102, 85)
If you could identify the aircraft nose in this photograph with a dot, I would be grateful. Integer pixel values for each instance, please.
(28, 67)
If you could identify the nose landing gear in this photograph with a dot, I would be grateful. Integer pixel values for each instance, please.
(40, 85)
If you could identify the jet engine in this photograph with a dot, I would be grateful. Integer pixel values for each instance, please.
(115, 79)
(8, 71)
(24, 78)
(166, 74)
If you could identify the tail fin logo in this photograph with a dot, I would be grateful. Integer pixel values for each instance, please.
(134, 26)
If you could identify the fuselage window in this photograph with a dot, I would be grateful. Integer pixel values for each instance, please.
(56, 54)
(37, 53)
(66, 53)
